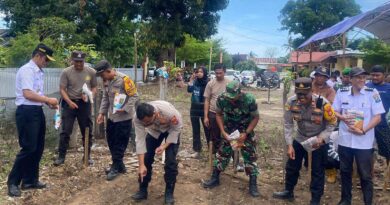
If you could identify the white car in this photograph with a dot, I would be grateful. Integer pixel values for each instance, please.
(233, 75)
(248, 76)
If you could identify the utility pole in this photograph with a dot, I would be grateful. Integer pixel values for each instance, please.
(211, 54)
(135, 57)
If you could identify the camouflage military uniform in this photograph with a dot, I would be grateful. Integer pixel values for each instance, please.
(237, 115)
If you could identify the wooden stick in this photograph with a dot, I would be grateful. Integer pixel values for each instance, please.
(86, 146)
(211, 156)
(235, 160)
(354, 175)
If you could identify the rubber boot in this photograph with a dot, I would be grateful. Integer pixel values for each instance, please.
(169, 199)
(213, 181)
(253, 186)
(142, 193)
(60, 160)
(286, 195)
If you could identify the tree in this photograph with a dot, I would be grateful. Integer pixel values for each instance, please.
(304, 18)
(246, 65)
(271, 52)
(376, 52)
(194, 51)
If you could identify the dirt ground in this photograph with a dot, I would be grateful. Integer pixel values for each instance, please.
(73, 184)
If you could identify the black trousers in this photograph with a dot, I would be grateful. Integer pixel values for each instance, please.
(364, 159)
(31, 126)
(197, 118)
(293, 167)
(83, 115)
(170, 166)
(214, 132)
(118, 134)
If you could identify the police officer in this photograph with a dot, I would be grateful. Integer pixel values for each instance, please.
(359, 109)
(316, 120)
(30, 121)
(236, 111)
(320, 86)
(155, 122)
(74, 102)
(119, 123)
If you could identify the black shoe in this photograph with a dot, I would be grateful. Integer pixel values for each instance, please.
(142, 194)
(344, 202)
(14, 191)
(286, 195)
(122, 168)
(213, 181)
(38, 185)
(112, 174)
(253, 186)
(169, 199)
(59, 161)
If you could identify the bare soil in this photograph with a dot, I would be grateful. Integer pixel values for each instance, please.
(73, 184)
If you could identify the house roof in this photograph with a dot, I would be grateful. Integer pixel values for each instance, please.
(265, 60)
(304, 57)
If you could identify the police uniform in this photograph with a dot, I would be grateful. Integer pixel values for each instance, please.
(119, 123)
(363, 106)
(31, 126)
(72, 81)
(149, 138)
(238, 111)
(315, 120)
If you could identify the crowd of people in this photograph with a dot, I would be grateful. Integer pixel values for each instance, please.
(337, 123)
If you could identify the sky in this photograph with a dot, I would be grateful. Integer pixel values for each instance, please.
(253, 25)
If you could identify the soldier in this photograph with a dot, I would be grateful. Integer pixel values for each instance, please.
(74, 103)
(316, 121)
(157, 121)
(119, 123)
(345, 80)
(320, 87)
(236, 111)
(30, 121)
(359, 109)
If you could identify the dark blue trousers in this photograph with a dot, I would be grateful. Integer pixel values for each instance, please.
(31, 126)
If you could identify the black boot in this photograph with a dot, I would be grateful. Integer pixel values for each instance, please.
(60, 160)
(253, 186)
(287, 195)
(169, 199)
(213, 181)
(142, 193)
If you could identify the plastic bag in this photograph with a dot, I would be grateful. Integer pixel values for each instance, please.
(87, 92)
(57, 119)
(119, 100)
(308, 144)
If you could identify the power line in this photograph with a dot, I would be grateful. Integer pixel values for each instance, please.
(247, 37)
(256, 30)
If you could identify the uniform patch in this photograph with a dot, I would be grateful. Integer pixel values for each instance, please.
(329, 114)
(87, 78)
(377, 98)
(174, 120)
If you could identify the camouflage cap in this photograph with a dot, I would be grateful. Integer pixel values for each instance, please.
(303, 85)
(232, 89)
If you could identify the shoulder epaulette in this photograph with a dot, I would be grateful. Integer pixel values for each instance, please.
(369, 89)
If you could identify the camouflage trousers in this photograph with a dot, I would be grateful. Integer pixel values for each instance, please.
(248, 152)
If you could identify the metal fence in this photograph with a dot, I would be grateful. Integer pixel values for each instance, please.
(52, 80)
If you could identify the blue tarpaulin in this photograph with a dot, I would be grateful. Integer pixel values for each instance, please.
(376, 21)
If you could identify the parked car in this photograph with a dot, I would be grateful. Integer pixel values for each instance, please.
(248, 76)
(211, 75)
(233, 75)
